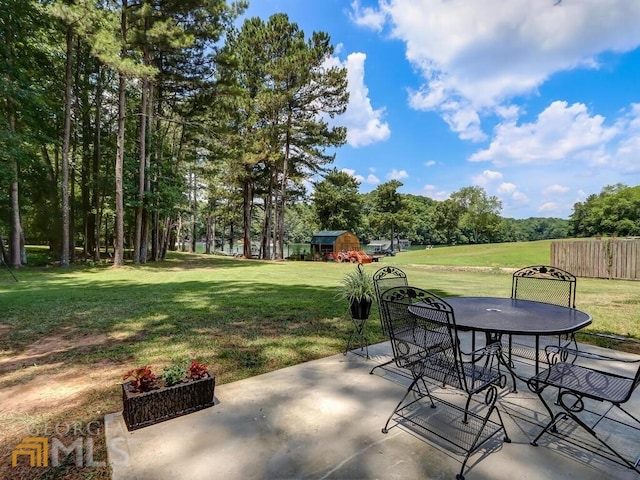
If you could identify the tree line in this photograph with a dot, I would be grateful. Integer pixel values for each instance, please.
(131, 127)
(467, 216)
(124, 123)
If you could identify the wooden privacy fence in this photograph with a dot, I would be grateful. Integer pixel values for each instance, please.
(599, 258)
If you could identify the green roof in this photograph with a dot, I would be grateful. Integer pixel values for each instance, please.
(327, 236)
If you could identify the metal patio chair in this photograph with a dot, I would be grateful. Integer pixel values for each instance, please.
(547, 284)
(383, 279)
(590, 390)
(427, 345)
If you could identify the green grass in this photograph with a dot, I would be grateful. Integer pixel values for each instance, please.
(492, 255)
(241, 317)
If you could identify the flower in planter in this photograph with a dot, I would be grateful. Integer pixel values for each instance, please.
(197, 370)
(142, 378)
(147, 400)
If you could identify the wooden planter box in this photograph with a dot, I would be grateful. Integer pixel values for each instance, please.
(147, 408)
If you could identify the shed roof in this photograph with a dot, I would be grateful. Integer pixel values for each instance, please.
(379, 243)
(327, 236)
(330, 233)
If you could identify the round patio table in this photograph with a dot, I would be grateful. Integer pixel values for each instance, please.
(497, 316)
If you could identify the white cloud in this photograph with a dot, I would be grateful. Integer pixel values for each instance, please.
(432, 191)
(397, 174)
(367, 16)
(555, 189)
(507, 188)
(474, 56)
(429, 163)
(564, 152)
(364, 124)
(487, 177)
(520, 197)
(561, 131)
(549, 207)
(625, 157)
(370, 179)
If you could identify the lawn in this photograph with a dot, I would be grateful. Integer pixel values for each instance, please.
(68, 335)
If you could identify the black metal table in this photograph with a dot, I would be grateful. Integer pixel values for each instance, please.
(495, 316)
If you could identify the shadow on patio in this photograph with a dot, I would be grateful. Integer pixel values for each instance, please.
(323, 420)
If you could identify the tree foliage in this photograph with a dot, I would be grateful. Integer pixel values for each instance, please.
(131, 128)
(615, 211)
(337, 202)
(480, 213)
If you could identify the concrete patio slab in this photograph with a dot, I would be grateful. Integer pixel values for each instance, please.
(323, 420)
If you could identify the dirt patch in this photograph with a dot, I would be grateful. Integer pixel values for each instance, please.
(465, 269)
(53, 390)
(42, 383)
(48, 348)
(38, 379)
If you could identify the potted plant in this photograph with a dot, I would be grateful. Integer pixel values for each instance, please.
(148, 399)
(357, 287)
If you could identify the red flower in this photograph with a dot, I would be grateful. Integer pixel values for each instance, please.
(197, 370)
(143, 378)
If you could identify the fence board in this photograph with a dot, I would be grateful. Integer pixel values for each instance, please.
(598, 258)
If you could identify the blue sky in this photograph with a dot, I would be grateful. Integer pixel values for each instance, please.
(538, 102)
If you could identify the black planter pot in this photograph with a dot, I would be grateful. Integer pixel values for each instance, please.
(360, 309)
(148, 408)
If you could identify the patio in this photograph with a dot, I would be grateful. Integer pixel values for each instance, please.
(323, 420)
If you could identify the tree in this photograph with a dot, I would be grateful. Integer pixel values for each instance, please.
(283, 90)
(302, 222)
(423, 229)
(336, 201)
(615, 211)
(447, 219)
(390, 213)
(24, 55)
(481, 213)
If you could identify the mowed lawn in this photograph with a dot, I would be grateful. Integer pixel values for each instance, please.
(68, 335)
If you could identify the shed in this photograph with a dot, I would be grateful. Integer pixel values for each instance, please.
(378, 245)
(329, 241)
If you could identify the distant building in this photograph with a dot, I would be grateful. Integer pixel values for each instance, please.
(379, 245)
(330, 241)
(382, 244)
(404, 243)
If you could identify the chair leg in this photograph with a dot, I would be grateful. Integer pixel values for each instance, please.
(385, 429)
(568, 413)
(491, 408)
(551, 425)
(388, 362)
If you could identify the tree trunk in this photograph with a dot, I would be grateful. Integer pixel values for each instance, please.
(15, 231)
(247, 200)
(64, 254)
(267, 236)
(146, 213)
(118, 257)
(141, 172)
(194, 212)
(94, 216)
(283, 198)
(85, 173)
(16, 227)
